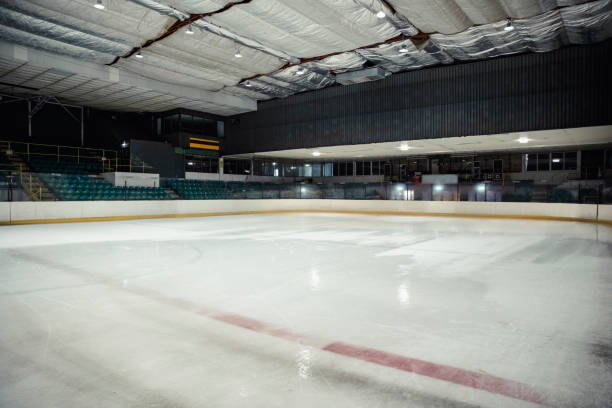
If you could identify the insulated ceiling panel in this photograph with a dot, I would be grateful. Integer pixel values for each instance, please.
(580, 24)
(453, 16)
(307, 28)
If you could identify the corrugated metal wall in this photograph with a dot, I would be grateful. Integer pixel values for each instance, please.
(561, 89)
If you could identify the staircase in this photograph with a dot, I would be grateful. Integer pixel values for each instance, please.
(172, 193)
(31, 184)
(35, 188)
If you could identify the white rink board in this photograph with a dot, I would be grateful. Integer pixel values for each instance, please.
(28, 210)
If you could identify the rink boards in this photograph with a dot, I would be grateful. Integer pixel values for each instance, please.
(74, 211)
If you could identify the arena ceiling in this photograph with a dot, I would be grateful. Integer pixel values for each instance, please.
(220, 57)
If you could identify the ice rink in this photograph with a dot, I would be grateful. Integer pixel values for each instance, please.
(306, 310)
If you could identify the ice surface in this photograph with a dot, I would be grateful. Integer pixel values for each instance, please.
(118, 314)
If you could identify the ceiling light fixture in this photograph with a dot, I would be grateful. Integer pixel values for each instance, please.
(139, 54)
(316, 154)
(509, 26)
(523, 139)
(404, 146)
(99, 5)
(381, 14)
(189, 30)
(403, 49)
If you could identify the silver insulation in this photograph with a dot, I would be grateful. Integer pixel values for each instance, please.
(19, 20)
(581, 24)
(454, 16)
(310, 28)
(390, 58)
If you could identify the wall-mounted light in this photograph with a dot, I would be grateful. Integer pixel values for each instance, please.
(403, 49)
(189, 30)
(124, 144)
(300, 71)
(138, 54)
(99, 5)
(248, 84)
(509, 26)
(438, 187)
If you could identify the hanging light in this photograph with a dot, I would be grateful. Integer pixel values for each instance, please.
(139, 54)
(99, 5)
(509, 26)
(300, 71)
(381, 14)
(189, 30)
(237, 54)
(403, 49)
(247, 84)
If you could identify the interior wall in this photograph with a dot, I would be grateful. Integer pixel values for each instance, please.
(561, 89)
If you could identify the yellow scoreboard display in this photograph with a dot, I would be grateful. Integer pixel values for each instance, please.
(203, 144)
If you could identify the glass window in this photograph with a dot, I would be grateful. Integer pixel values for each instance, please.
(342, 167)
(531, 162)
(556, 162)
(543, 162)
(316, 170)
(336, 169)
(328, 170)
(571, 161)
(375, 168)
(359, 168)
(349, 168)
(307, 170)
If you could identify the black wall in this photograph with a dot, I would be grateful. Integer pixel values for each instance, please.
(562, 89)
(52, 125)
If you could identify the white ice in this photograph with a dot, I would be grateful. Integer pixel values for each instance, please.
(110, 314)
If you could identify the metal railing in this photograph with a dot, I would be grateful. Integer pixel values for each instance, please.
(47, 151)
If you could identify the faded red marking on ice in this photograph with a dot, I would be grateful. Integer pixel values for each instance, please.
(485, 382)
(472, 379)
(455, 375)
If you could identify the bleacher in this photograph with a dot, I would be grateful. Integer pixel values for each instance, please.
(198, 189)
(74, 187)
(64, 167)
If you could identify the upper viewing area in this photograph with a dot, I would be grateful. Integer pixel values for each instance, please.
(222, 57)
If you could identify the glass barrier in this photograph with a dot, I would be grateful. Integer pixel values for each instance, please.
(53, 186)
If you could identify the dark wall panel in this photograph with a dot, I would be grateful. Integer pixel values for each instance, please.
(561, 89)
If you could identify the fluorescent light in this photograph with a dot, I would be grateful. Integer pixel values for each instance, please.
(316, 154)
(190, 163)
(381, 14)
(509, 26)
(189, 30)
(556, 160)
(403, 49)
(99, 5)
(523, 139)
